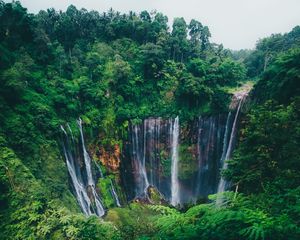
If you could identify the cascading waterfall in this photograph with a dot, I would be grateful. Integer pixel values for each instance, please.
(138, 152)
(175, 195)
(151, 149)
(100, 170)
(225, 142)
(114, 194)
(85, 191)
(87, 160)
(228, 148)
(147, 141)
(206, 145)
(70, 130)
(210, 131)
(80, 190)
(156, 142)
(99, 207)
(157, 146)
(86, 157)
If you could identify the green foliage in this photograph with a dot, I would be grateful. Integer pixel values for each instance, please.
(236, 218)
(266, 163)
(166, 161)
(111, 68)
(187, 163)
(105, 190)
(281, 80)
(267, 50)
(269, 148)
(134, 221)
(31, 215)
(231, 72)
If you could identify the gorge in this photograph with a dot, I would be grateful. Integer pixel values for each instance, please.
(131, 126)
(156, 147)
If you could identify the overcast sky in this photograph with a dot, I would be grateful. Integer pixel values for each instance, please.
(235, 23)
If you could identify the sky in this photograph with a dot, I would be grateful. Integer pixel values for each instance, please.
(237, 24)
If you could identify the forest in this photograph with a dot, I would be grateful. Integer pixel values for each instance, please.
(122, 100)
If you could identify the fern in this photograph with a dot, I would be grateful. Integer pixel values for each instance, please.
(253, 232)
(163, 210)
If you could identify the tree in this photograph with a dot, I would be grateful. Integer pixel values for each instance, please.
(15, 25)
(159, 29)
(230, 72)
(199, 36)
(281, 80)
(179, 39)
(17, 78)
(152, 57)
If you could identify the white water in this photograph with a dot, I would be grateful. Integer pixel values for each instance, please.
(87, 160)
(143, 164)
(140, 163)
(99, 208)
(227, 150)
(99, 169)
(80, 190)
(207, 144)
(70, 130)
(149, 128)
(174, 129)
(115, 195)
(62, 128)
(151, 142)
(225, 142)
(90, 203)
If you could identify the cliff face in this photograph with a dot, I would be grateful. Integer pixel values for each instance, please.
(203, 147)
(110, 158)
(180, 161)
(149, 158)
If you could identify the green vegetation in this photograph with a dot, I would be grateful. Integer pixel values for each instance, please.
(112, 68)
(235, 219)
(30, 210)
(134, 222)
(187, 163)
(105, 191)
(268, 49)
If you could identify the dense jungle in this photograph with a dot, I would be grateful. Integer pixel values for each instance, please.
(129, 126)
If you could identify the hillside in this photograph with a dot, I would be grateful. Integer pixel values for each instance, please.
(116, 126)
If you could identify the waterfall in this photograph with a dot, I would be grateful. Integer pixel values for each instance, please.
(85, 192)
(64, 131)
(114, 194)
(143, 163)
(228, 148)
(147, 142)
(86, 157)
(149, 146)
(87, 160)
(225, 140)
(99, 207)
(70, 130)
(174, 129)
(157, 150)
(151, 149)
(206, 144)
(99, 169)
(80, 190)
(208, 136)
(138, 152)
